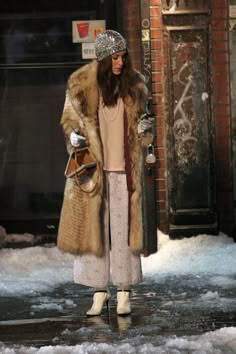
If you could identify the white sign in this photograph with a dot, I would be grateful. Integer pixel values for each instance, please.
(86, 31)
(232, 11)
(88, 51)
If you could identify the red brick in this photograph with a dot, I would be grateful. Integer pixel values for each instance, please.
(160, 173)
(160, 144)
(219, 57)
(159, 131)
(221, 100)
(155, 11)
(219, 3)
(155, 33)
(158, 110)
(220, 46)
(221, 119)
(221, 110)
(219, 35)
(161, 163)
(155, 44)
(160, 152)
(220, 88)
(221, 77)
(219, 13)
(155, 22)
(155, 2)
(159, 121)
(157, 65)
(157, 77)
(220, 68)
(161, 195)
(157, 87)
(219, 24)
(221, 132)
(156, 55)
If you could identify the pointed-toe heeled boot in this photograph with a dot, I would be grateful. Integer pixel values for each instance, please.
(99, 299)
(123, 303)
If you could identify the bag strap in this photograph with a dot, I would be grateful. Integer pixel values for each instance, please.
(98, 174)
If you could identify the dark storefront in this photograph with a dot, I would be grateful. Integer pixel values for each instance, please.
(37, 55)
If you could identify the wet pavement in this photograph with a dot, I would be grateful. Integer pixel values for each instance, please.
(172, 306)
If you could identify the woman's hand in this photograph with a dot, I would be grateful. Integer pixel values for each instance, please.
(76, 139)
(146, 123)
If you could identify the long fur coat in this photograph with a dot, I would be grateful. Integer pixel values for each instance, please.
(80, 222)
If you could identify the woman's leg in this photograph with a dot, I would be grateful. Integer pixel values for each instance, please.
(125, 266)
(91, 270)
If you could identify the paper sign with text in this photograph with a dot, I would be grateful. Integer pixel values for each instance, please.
(88, 51)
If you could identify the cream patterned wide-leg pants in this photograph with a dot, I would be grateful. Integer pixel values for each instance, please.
(117, 261)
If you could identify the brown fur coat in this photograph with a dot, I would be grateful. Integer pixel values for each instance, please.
(80, 223)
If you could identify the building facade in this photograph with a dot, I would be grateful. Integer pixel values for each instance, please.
(186, 51)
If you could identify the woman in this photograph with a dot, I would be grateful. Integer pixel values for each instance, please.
(104, 102)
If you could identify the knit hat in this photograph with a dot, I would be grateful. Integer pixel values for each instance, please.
(107, 43)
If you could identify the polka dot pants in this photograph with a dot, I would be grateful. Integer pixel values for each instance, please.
(118, 264)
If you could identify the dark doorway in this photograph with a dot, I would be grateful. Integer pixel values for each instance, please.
(36, 57)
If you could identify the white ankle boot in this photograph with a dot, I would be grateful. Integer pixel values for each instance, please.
(99, 299)
(123, 302)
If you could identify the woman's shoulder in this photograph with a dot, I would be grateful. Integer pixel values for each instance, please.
(83, 75)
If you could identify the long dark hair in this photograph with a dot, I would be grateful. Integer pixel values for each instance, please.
(114, 86)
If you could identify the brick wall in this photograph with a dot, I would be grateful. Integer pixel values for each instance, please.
(219, 63)
(221, 115)
(157, 94)
(132, 31)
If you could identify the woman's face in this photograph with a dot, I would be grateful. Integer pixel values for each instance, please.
(118, 60)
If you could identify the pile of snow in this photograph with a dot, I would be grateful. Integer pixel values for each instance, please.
(202, 254)
(222, 341)
(33, 269)
(40, 268)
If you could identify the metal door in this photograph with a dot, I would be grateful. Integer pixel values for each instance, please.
(190, 160)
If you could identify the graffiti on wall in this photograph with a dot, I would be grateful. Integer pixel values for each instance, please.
(183, 127)
(146, 51)
(174, 5)
(190, 127)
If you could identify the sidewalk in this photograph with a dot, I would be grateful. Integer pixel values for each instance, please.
(166, 308)
(172, 313)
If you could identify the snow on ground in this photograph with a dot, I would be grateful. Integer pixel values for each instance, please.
(222, 341)
(46, 267)
(202, 254)
(34, 269)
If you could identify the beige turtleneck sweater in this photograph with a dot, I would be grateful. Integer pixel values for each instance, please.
(111, 122)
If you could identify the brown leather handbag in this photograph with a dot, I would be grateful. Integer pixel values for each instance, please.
(81, 166)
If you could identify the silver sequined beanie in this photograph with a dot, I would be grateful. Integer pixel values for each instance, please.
(107, 43)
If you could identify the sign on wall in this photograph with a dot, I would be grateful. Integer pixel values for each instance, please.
(88, 51)
(86, 31)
